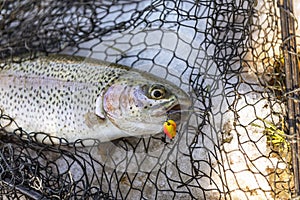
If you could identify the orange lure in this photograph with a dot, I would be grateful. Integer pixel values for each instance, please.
(170, 128)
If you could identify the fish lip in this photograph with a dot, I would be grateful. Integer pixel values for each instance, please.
(174, 112)
(178, 111)
(174, 108)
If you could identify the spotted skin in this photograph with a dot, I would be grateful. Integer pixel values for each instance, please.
(74, 98)
(52, 93)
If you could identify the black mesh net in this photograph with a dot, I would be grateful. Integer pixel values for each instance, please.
(227, 55)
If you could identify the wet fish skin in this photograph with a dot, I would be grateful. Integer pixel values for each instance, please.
(78, 98)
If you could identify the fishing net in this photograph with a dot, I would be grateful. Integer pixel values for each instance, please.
(229, 56)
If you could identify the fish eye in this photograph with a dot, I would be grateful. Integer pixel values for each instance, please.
(157, 92)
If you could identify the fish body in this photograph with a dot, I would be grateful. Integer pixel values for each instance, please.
(76, 98)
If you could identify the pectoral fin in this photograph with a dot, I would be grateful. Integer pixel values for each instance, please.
(92, 119)
(99, 107)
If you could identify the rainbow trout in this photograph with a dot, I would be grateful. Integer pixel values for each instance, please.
(73, 98)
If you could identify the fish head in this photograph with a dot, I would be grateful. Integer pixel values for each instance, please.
(139, 104)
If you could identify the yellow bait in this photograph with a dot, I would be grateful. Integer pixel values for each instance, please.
(170, 128)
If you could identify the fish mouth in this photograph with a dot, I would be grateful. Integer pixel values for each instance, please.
(176, 110)
(179, 111)
(174, 113)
